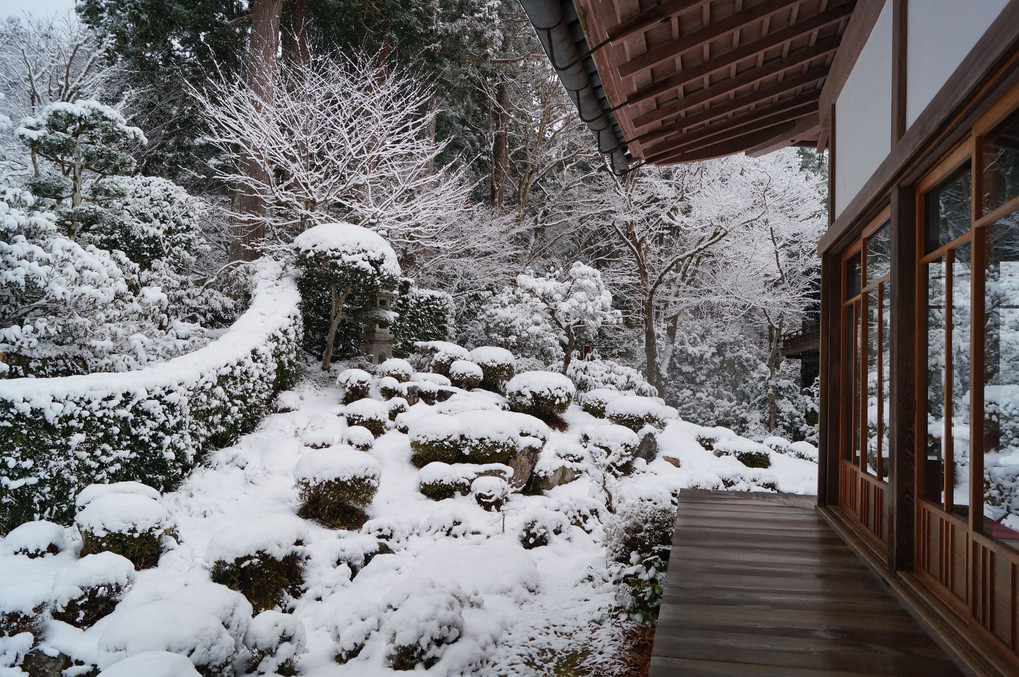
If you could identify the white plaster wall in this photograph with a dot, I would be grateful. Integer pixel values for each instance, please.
(940, 33)
(863, 113)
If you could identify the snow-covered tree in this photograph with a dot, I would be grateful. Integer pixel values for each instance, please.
(577, 305)
(348, 141)
(518, 321)
(336, 260)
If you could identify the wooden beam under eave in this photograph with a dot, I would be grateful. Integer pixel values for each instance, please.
(726, 147)
(811, 77)
(796, 59)
(750, 50)
(650, 17)
(699, 38)
(805, 128)
(741, 127)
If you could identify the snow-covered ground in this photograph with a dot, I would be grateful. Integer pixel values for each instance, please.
(448, 569)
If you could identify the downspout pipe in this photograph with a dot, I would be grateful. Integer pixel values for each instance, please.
(550, 24)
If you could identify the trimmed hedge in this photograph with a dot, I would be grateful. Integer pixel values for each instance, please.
(59, 435)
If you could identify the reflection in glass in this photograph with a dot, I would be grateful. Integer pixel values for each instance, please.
(858, 363)
(879, 254)
(848, 383)
(961, 292)
(947, 209)
(934, 461)
(886, 371)
(1001, 382)
(853, 278)
(872, 382)
(1001, 164)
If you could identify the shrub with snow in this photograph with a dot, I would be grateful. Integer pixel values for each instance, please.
(352, 626)
(615, 447)
(396, 406)
(425, 618)
(152, 664)
(595, 401)
(639, 538)
(339, 261)
(491, 438)
(359, 437)
(598, 374)
(540, 526)
(490, 492)
(390, 388)
(439, 481)
(167, 625)
(441, 354)
(422, 315)
(804, 451)
(367, 413)
(395, 368)
(36, 539)
(748, 479)
(336, 486)
(24, 596)
(275, 641)
(90, 588)
(747, 452)
(321, 431)
(465, 374)
(356, 384)
(231, 607)
(543, 394)
(497, 366)
(128, 524)
(636, 412)
(286, 402)
(435, 438)
(263, 559)
(60, 435)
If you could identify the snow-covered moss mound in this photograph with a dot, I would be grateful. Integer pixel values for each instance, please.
(58, 435)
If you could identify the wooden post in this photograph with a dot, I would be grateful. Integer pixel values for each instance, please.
(830, 406)
(902, 428)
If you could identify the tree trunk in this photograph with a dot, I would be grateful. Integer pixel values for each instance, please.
(335, 315)
(571, 345)
(263, 46)
(500, 144)
(654, 376)
(774, 359)
(295, 39)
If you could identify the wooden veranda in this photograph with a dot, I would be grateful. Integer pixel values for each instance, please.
(760, 584)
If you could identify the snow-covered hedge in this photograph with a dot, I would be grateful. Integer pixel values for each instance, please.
(59, 435)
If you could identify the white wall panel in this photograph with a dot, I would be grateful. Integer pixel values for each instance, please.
(863, 114)
(940, 33)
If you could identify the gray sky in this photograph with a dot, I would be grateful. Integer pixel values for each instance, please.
(34, 7)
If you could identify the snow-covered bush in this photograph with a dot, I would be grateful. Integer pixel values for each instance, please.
(23, 599)
(615, 447)
(804, 451)
(60, 435)
(422, 315)
(490, 492)
(747, 452)
(492, 438)
(543, 394)
(390, 388)
(128, 524)
(229, 606)
(465, 374)
(540, 526)
(275, 640)
(370, 414)
(636, 412)
(639, 538)
(435, 438)
(91, 588)
(497, 366)
(397, 406)
(395, 368)
(167, 625)
(359, 437)
(425, 619)
(439, 481)
(441, 354)
(351, 628)
(263, 559)
(152, 664)
(595, 401)
(594, 374)
(36, 539)
(336, 485)
(356, 384)
(517, 321)
(337, 260)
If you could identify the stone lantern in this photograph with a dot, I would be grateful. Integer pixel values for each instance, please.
(377, 343)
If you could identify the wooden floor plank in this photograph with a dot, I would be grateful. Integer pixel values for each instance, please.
(758, 584)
